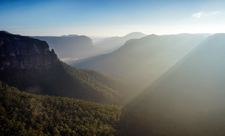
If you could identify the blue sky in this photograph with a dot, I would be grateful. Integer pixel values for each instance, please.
(111, 17)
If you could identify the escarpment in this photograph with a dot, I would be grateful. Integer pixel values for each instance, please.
(21, 52)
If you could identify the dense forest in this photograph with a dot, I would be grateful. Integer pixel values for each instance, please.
(29, 114)
(64, 80)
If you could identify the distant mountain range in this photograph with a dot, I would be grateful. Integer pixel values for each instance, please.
(71, 47)
(74, 47)
(143, 60)
(112, 43)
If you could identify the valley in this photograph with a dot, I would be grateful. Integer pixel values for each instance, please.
(157, 85)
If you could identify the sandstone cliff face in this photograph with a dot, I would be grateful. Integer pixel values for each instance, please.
(20, 52)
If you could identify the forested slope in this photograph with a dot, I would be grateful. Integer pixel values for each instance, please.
(64, 80)
(27, 114)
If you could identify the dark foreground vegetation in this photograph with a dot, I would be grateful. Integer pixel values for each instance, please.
(66, 81)
(26, 114)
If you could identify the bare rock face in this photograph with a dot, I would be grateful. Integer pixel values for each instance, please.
(21, 52)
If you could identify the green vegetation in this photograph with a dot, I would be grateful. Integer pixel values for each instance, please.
(64, 80)
(22, 114)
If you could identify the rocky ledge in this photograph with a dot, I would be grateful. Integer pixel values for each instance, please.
(22, 52)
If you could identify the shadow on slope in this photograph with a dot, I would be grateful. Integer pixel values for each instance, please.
(187, 100)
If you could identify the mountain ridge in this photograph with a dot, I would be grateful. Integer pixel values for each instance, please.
(144, 59)
(188, 99)
(55, 77)
(113, 43)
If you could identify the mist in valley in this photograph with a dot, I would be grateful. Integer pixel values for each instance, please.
(112, 68)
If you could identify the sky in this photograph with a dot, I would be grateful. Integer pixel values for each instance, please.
(111, 17)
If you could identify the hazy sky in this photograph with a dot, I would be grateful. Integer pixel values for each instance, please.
(111, 17)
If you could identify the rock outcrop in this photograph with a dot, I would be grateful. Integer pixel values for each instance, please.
(21, 52)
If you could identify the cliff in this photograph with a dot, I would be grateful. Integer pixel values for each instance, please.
(71, 47)
(21, 52)
(27, 64)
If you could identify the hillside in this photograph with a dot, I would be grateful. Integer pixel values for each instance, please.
(28, 114)
(29, 65)
(145, 59)
(71, 47)
(187, 100)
